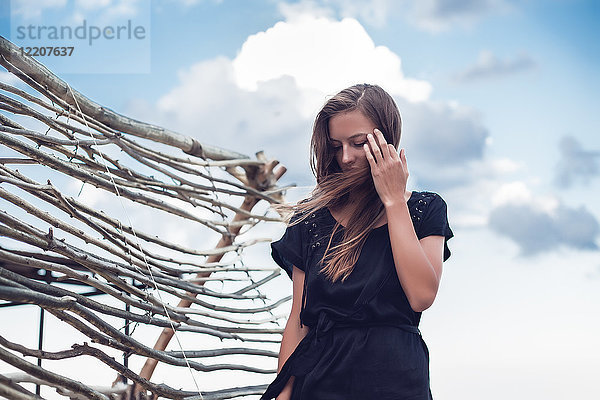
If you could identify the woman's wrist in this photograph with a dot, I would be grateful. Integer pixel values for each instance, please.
(395, 204)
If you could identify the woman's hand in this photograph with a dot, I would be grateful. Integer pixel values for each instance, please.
(389, 170)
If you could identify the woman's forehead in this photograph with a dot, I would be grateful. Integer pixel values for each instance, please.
(349, 125)
(360, 135)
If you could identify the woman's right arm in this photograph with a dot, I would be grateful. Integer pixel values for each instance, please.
(292, 334)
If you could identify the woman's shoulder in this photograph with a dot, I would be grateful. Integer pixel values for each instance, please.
(429, 214)
(420, 194)
(421, 204)
(425, 197)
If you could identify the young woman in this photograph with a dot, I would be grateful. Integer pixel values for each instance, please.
(365, 257)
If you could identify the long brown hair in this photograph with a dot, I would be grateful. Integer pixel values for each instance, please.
(333, 187)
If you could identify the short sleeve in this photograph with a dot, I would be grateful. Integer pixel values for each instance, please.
(435, 222)
(288, 251)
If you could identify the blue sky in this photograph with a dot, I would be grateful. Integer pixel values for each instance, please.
(500, 108)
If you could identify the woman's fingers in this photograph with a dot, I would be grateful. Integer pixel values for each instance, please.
(403, 159)
(393, 152)
(370, 158)
(382, 143)
(380, 151)
(374, 148)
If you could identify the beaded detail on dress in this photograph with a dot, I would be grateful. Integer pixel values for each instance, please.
(418, 208)
(311, 223)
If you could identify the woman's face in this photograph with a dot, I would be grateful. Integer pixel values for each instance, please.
(347, 133)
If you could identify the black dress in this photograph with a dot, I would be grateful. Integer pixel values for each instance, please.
(363, 341)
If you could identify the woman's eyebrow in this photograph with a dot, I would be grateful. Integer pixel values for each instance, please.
(351, 137)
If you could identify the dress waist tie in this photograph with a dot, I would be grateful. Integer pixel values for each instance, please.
(309, 350)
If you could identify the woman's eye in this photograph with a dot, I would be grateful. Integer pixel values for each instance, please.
(359, 144)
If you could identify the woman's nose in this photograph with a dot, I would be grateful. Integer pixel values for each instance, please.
(346, 156)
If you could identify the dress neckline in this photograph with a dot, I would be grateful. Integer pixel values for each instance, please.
(412, 194)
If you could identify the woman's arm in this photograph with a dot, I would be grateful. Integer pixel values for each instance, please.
(418, 262)
(292, 334)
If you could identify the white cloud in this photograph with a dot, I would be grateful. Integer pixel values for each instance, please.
(490, 66)
(445, 143)
(512, 193)
(210, 106)
(576, 164)
(535, 231)
(520, 193)
(504, 165)
(323, 56)
(203, 104)
(540, 222)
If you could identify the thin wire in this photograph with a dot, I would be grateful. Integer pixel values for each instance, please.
(138, 244)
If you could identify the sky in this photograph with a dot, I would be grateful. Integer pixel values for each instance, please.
(499, 101)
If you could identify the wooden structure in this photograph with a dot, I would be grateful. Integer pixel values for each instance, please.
(89, 268)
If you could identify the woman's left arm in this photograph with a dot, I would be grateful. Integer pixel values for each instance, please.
(418, 262)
